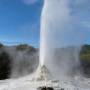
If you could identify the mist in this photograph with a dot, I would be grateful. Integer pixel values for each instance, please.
(59, 30)
(23, 61)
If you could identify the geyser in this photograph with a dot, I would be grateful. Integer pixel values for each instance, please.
(58, 30)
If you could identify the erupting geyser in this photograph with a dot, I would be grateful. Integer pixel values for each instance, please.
(59, 57)
(58, 31)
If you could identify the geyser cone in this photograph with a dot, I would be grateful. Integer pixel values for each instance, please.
(43, 74)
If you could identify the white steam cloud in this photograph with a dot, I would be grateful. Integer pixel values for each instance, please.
(59, 29)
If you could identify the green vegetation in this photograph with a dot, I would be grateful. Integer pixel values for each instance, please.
(85, 59)
(1, 45)
(6, 59)
(4, 66)
(85, 53)
(23, 47)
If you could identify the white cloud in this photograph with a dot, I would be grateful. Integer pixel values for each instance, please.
(28, 2)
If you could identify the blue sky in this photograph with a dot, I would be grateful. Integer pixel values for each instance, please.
(20, 20)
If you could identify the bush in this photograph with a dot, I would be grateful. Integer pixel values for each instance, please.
(85, 60)
(4, 66)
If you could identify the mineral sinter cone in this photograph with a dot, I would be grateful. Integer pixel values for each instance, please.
(43, 74)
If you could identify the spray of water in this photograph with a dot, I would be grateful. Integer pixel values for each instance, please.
(58, 31)
(52, 21)
(22, 62)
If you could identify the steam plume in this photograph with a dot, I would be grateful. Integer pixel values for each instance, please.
(58, 30)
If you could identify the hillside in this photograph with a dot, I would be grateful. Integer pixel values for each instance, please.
(85, 59)
(17, 61)
(21, 60)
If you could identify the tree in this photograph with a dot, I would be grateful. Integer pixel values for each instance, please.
(4, 65)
